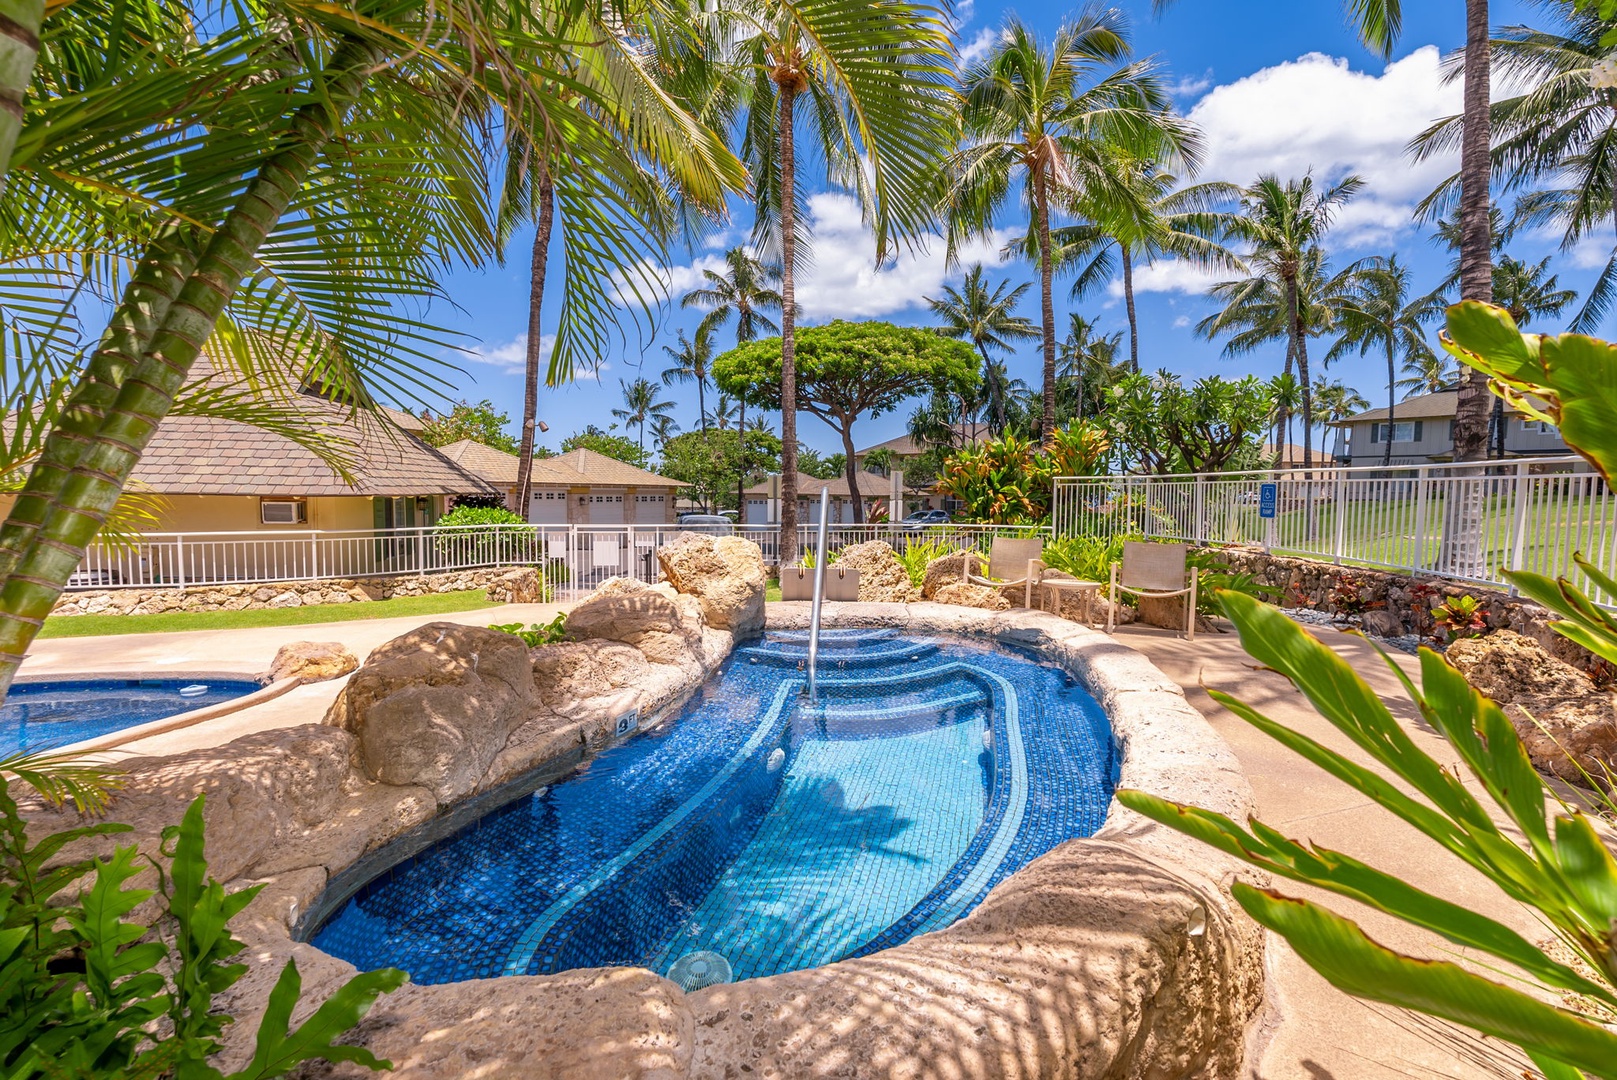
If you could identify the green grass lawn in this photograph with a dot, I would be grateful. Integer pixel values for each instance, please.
(771, 590)
(99, 625)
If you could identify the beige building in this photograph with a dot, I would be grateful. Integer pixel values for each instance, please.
(1422, 433)
(580, 487)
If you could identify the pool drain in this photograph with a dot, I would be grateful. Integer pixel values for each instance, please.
(698, 969)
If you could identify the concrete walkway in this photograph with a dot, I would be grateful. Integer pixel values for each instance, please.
(1313, 1031)
(242, 652)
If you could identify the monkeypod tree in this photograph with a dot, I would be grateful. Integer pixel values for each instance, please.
(1163, 426)
(849, 369)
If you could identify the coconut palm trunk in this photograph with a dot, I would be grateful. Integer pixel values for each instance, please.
(20, 23)
(1047, 423)
(530, 376)
(1128, 302)
(1299, 345)
(94, 485)
(1392, 396)
(1476, 238)
(788, 323)
(1460, 549)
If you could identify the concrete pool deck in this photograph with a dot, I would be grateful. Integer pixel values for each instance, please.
(1314, 1031)
(242, 652)
(1311, 1032)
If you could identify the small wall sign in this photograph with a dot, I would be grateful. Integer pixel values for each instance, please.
(628, 722)
(1268, 499)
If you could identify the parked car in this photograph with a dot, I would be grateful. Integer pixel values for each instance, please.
(925, 519)
(93, 579)
(707, 524)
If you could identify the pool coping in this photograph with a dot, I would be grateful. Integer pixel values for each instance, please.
(115, 739)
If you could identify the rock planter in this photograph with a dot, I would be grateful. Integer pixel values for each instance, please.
(1120, 955)
(882, 578)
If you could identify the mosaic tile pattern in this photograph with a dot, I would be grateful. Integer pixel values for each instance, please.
(778, 835)
(40, 715)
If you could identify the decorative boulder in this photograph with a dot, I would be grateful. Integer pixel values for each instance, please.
(663, 624)
(949, 570)
(967, 595)
(517, 587)
(312, 661)
(434, 707)
(726, 576)
(1566, 723)
(882, 578)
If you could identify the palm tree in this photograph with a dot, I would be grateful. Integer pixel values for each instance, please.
(1256, 312)
(880, 113)
(691, 361)
(1284, 223)
(663, 428)
(258, 172)
(724, 414)
(1378, 312)
(1159, 219)
(1428, 375)
(745, 290)
(1337, 402)
(640, 406)
(989, 321)
(1089, 360)
(1054, 116)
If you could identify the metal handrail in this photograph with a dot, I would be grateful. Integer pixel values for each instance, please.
(820, 558)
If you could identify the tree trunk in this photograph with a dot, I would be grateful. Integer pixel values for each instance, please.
(530, 377)
(147, 395)
(1476, 234)
(851, 471)
(741, 484)
(1128, 302)
(1047, 423)
(1299, 344)
(788, 333)
(1392, 379)
(20, 22)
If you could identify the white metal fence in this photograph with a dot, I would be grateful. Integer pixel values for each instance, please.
(1461, 522)
(572, 558)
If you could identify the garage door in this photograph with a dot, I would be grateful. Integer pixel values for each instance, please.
(605, 508)
(549, 508)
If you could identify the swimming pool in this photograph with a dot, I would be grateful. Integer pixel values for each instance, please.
(62, 711)
(756, 833)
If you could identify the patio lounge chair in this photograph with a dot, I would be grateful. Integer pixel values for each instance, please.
(1011, 562)
(1154, 570)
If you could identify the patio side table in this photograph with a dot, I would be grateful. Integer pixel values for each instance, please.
(1087, 591)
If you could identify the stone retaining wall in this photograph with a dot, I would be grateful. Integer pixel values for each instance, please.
(281, 594)
(1396, 604)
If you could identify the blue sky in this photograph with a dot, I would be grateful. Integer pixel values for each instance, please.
(1276, 86)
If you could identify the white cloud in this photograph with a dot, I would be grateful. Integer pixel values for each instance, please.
(1169, 276)
(844, 280)
(510, 357)
(1181, 322)
(1590, 253)
(1317, 113)
(1190, 86)
(977, 48)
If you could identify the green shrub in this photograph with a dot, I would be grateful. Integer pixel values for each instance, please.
(481, 534)
(84, 993)
(916, 555)
(1088, 558)
(537, 634)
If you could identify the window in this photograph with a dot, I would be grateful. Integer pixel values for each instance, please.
(1402, 431)
(283, 511)
(1539, 427)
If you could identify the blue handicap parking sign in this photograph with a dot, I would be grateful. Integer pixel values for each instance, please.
(1268, 496)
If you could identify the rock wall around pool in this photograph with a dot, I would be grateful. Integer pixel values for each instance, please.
(1120, 955)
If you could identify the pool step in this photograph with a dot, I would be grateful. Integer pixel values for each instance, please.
(902, 651)
(834, 639)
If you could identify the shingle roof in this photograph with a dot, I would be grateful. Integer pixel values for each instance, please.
(576, 467)
(197, 455)
(904, 446)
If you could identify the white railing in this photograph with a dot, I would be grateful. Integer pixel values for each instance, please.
(571, 557)
(1461, 522)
